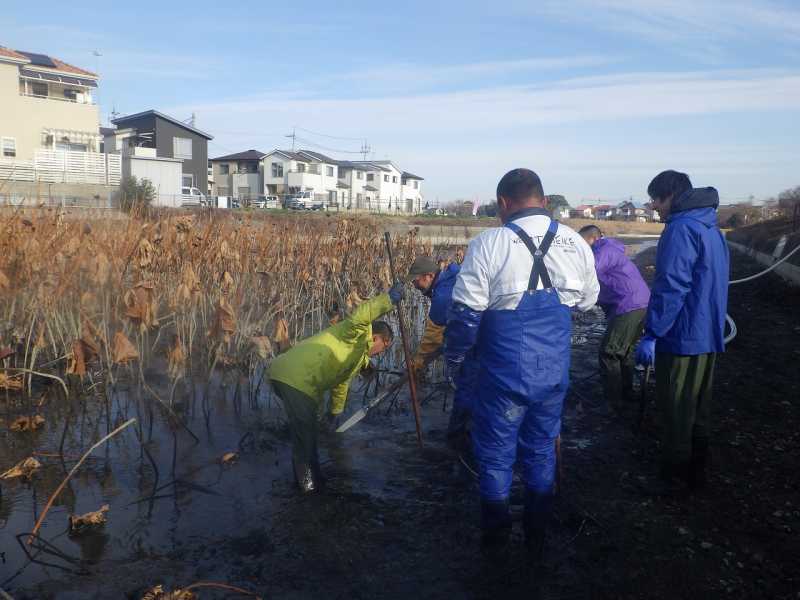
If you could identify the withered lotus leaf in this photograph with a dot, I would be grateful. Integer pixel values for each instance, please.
(228, 458)
(25, 423)
(76, 365)
(24, 468)
(158, 593)
(79, 524)
(10, 382)
(224, 322)
(123, 350)
(281, 335)
(176, 357)
(262, 346)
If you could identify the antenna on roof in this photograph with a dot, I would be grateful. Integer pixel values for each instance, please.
(292, 135)
(365, 149)
(190, 121)
(114, 113)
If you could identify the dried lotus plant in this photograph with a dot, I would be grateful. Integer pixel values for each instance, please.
(24, 469)
(86, 523)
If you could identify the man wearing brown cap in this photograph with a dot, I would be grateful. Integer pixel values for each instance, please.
(437, 285)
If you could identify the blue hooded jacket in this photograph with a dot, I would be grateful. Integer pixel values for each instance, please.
(689, 296)
(442, 293)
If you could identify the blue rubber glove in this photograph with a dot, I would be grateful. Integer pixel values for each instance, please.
(396, 292)
(646, 351)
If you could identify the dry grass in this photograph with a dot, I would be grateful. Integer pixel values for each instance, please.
(83, 295)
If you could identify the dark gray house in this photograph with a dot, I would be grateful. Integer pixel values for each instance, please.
(172, 139)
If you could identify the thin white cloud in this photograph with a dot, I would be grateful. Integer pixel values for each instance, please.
(705, 29)
(460, 140)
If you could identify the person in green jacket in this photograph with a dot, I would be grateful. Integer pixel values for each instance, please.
(327, 361)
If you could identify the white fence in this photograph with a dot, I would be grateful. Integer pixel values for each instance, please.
(64, 166)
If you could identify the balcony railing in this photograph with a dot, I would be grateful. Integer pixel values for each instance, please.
(64, 166)
(80, 99)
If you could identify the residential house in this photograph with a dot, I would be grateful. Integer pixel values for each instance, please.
(562, 212)
(604, 211)
(411, 193)
(49, 122)
(626, 211)
(170, 138)
(377, 186)
(584, 211)
(240, 175)
(287, 172)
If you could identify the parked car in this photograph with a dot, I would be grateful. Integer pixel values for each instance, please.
(266, 202)
(191, 196)
(304, 201)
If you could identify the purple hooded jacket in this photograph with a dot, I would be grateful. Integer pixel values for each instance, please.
(622, 288)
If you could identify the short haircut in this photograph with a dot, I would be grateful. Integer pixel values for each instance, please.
(382, 329)
(668, 183)
(520, 185)
(590, 230)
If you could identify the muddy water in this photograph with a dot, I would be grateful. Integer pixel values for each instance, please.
(165, 521)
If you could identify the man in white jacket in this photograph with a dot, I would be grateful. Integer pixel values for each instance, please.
(512, 300)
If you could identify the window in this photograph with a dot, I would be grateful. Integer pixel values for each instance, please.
(39, 89)
(313, 168)
(248, 167)
(301, 167)
(394, 179)
(9, 146)
(243, 191)
(386, 178)
(224, 169)
(277, 169)
(222, 191)
(182, 147)
(359, 175)
(370, 176)
(359, 197)
(187, 180)
(329, 171)
(70, 94)
(416, 184)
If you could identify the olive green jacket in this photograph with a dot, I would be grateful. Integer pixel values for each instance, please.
(330, 359)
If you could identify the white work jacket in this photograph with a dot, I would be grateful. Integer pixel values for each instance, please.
(497, 267)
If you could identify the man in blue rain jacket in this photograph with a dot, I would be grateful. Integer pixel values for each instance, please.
(685, 323)
(437, 285)
(512, 301)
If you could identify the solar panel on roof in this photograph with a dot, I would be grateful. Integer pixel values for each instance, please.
(40, 60)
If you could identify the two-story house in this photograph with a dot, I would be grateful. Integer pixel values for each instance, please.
(49, 122)
(376, 186)
(170, 138)
(287, 172)
(240, 175)
(411, 193)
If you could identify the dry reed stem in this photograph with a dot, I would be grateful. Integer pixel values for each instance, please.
(70, 474)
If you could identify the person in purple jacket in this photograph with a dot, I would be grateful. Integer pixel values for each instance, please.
(623, 297)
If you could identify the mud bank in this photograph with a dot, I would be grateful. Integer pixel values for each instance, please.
(395, 521)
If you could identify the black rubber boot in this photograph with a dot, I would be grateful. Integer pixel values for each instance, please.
(496, 526)
(538, 508)
(698, 464)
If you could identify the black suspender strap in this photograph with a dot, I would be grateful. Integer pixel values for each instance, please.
(539, 270)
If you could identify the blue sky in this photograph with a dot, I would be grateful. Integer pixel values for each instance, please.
(597, 96)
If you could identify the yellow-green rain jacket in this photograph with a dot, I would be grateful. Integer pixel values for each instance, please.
(330, 359)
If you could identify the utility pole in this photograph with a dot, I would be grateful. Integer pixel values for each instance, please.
(292, 135)
(97, 55)
(365, 149)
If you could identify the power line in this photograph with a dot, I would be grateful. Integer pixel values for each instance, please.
(333, 137)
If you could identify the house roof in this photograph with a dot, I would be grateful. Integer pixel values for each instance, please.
(318, 157)
(407, 175)
(371, 165)
(9, 53)
(44, 61)
(173, 120)
(584, 207)
(106, 131)
(603, 207)
(246, 155)
(353, 165)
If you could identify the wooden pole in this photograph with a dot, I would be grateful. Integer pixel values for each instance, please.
(412, 380)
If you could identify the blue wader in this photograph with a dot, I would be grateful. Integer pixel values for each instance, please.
(524, 375)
